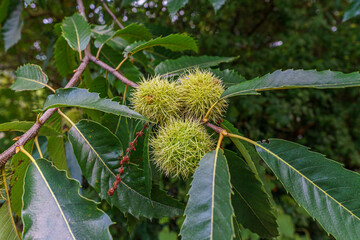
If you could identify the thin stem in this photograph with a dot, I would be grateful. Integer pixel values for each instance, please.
(38, 146)
(221, 137)
(123, 103)
(113, 71)
(121, 63)
(66, 118)
(248, 140)
(8, 201)
(112, 15)
(206, 118)
(53, 90)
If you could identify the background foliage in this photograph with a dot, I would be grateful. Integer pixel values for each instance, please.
(266, 35)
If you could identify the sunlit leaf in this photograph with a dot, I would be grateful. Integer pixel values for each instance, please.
(76, 31)
(29, 77)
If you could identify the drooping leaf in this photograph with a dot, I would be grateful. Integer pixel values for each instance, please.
(352, 11)
(217, 4)
(19, 163)
(229, 77)
(54, 201)
(98, 152)
(64, 57)
(209, 212)
(251, 204)
(175, 67)
(76, 31)
(134, 32)
(326, 190)
(174, 42)
(23, 126)
(29, 77)
(11, 30)
(290, 79)
(7, 230)
(79, 97)
(175, 5)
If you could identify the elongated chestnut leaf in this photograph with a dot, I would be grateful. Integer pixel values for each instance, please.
(11, 28)
(79, 97)
(209, 212)
(251, 204)
(29, 77)
(175, 67)
(290, 79)
(326, 190)
(174, 42)
(53, 207)
(76, 31)
(7, 230)
(98, 151)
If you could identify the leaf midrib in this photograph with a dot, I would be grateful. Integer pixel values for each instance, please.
(310, 181)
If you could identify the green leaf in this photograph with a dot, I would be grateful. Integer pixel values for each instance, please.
(251, 204)
(209, 212)
(175, 5)
(76, 31)
(134, 32)
(7, 230)
(29, 77)
(146, 163)
(56, 150)
(290, 79)
(175, 67)
(352, 11)
(23, 126)
(19, 163)
(228, 76)
(79, 97)
(98, 152)
(217, 4)
(53, 200)
(11, 30)
(323, 187)
(98, 85)
(174, 42)
(64, 57)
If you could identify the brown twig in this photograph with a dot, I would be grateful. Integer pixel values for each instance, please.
(113, 71)
(111, 14)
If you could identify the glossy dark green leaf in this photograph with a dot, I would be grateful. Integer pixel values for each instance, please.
(352, 11)
(326, 190)
(290, 79)
(251, 204)
(209, 214)
(175, 67)
(228, 76)
(98, 152)
(23, 126)
(174, 42)
(19, 163)
(64, 57)
(29, 77)
(7, 230)
(56, 150)
(79, 97)
(76, 31)
(53, 207)
(11, 29)
(99, 86)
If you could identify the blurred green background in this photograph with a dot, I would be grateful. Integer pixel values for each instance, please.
(266, 35)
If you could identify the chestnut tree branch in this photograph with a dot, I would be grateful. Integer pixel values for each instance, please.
(34, 130)
(111, 14)
(113, 71)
